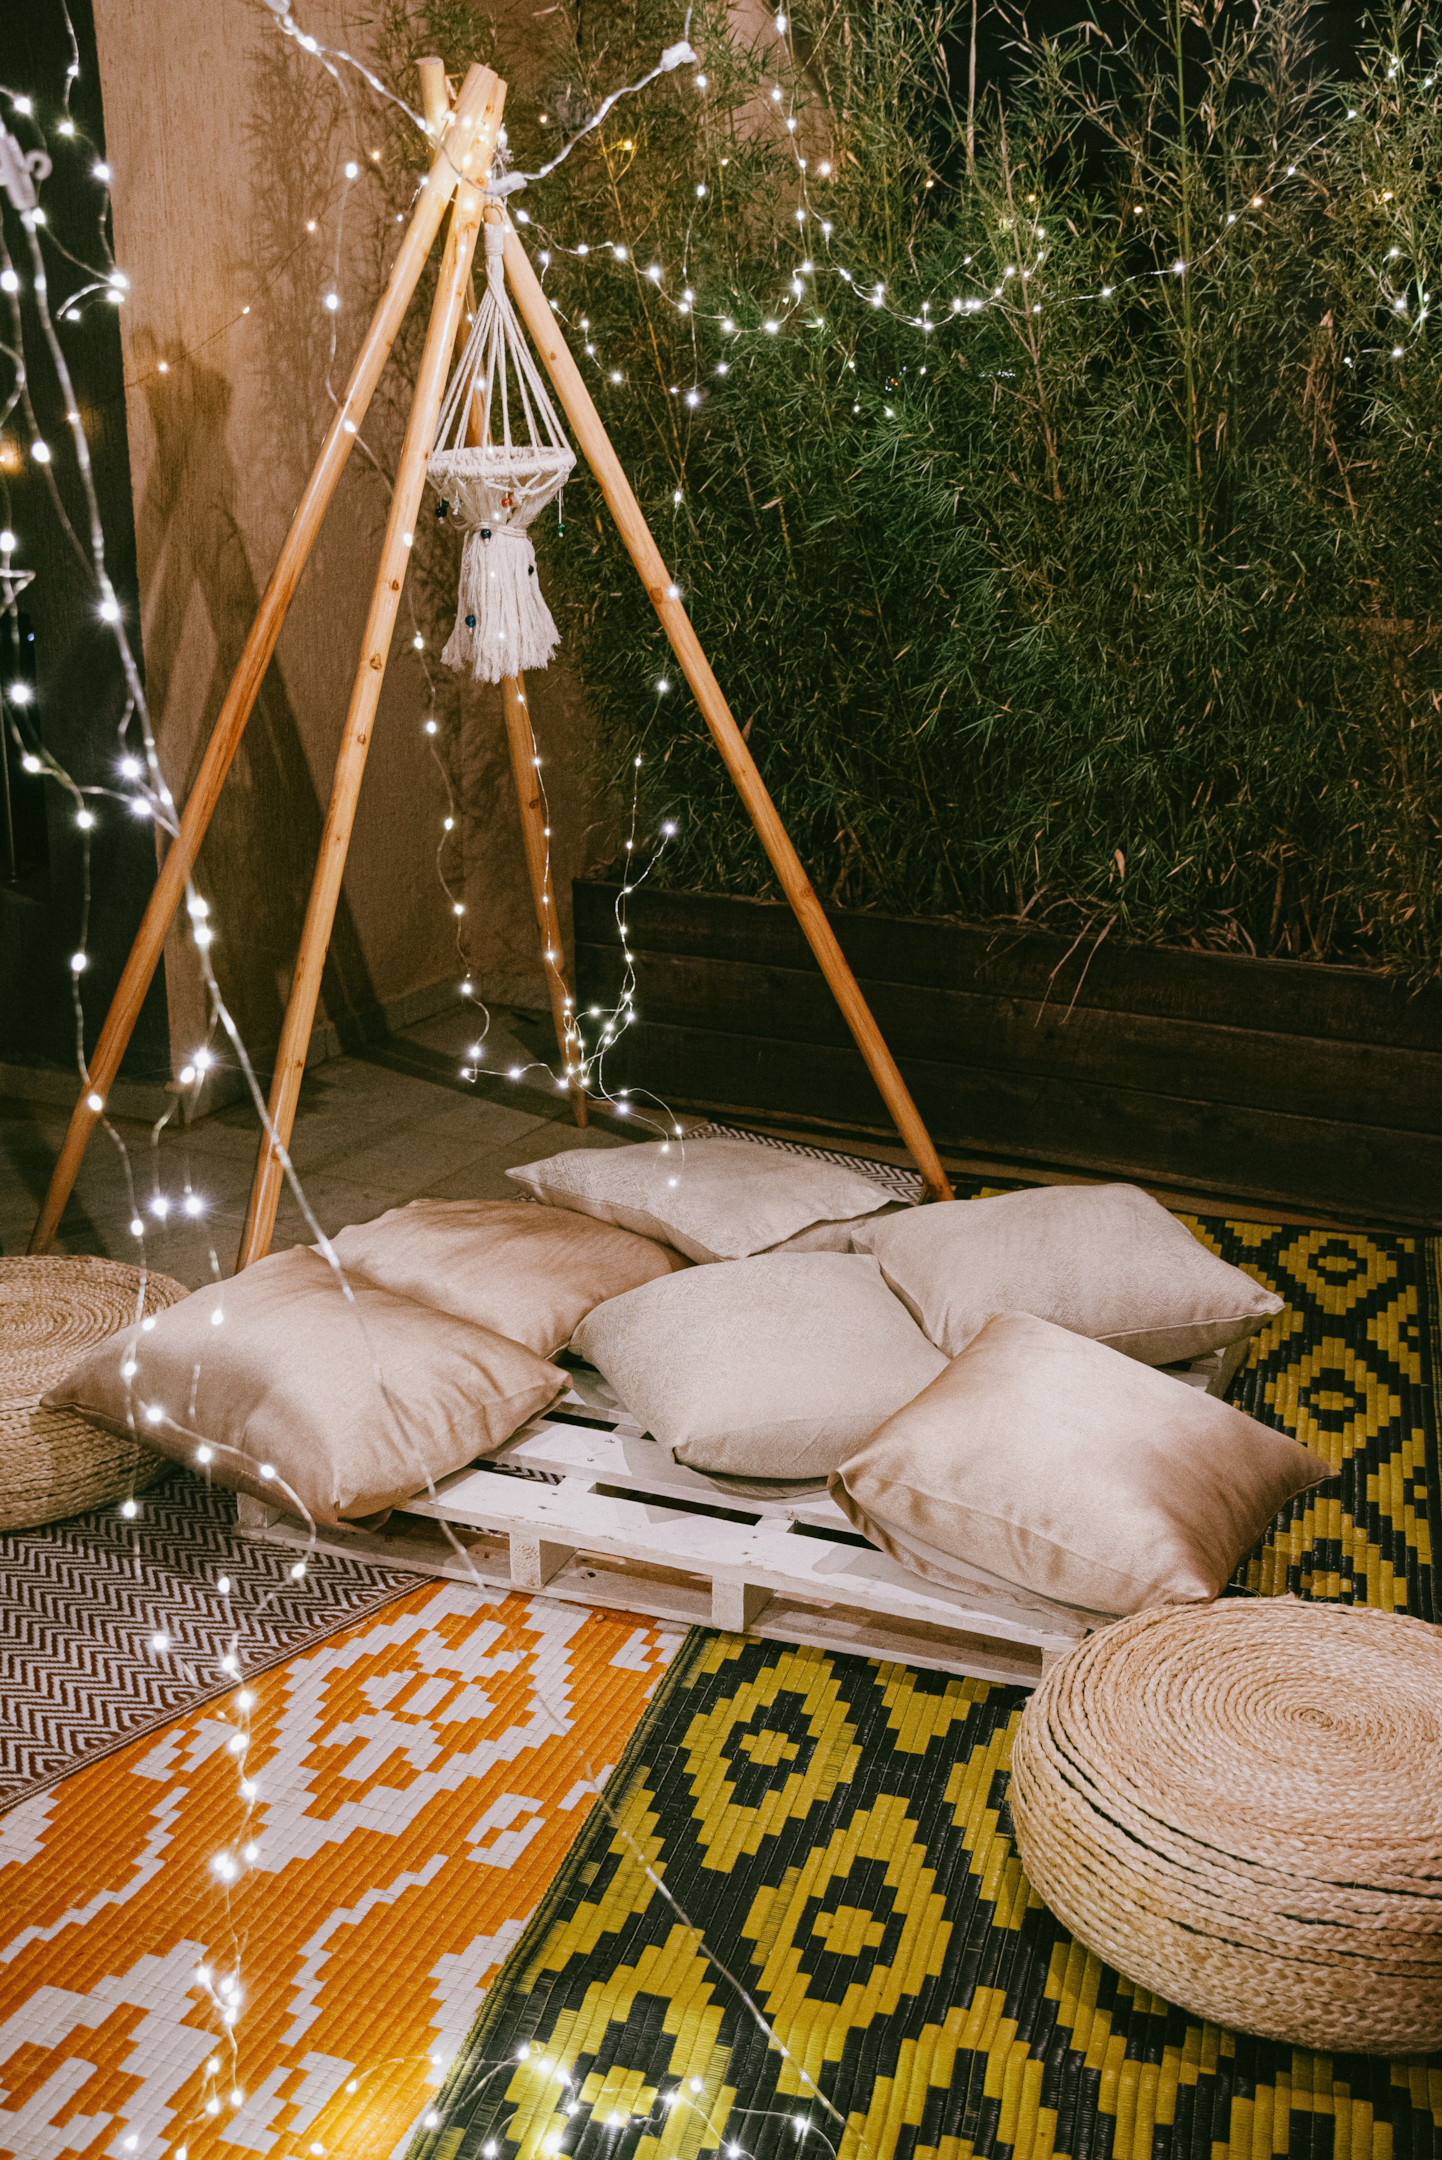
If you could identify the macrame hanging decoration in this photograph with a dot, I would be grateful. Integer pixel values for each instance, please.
(492, 485)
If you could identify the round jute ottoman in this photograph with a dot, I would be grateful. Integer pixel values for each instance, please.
(52, 1463)
(1239, 1806)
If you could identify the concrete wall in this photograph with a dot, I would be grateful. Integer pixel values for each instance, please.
(225, 140)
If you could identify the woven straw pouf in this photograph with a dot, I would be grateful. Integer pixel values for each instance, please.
(1239, 1806)
(52, 1464)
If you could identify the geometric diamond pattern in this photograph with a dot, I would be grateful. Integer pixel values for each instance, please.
(838, 1828)
(1347, 1370)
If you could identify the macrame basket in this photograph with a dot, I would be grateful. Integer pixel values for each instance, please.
(499, 457)
(53, 1309)
(1239, 1806)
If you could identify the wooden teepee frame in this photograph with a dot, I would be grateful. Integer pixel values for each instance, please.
(461, 169)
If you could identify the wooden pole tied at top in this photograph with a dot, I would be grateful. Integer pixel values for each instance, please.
(434, 195)
(531, 799)
(540, 321)
(406, 503)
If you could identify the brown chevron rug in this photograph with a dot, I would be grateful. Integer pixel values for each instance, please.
(82, 1603)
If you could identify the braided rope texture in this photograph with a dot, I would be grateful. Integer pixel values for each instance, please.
(53, 1308)
(1239, 1804)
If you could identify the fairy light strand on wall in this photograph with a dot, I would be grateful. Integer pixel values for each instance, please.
(140, 791)
(220, 1982)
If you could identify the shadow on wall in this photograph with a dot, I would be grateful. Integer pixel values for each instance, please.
(265, 835)
(234, 435)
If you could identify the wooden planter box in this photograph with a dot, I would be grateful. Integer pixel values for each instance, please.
(1320, 1088)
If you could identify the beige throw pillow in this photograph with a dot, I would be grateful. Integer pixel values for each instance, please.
(776, 1367)
(1103, 1260)
(529, 1272)
(717, 1200)
(288, 1379)
(1081, 1475)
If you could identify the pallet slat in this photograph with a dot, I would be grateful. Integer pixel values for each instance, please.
(690, 1600)
(766, 1555)
(613, 1520)
(629, 1458)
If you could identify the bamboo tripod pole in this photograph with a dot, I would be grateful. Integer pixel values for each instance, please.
(575, 399)
(524, 763)
(520, 735)
(410, 483)
(477, 94)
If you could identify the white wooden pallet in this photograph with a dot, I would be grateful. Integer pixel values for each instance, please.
(611, 1520)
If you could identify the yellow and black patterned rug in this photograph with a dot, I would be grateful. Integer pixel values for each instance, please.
(838, 1830)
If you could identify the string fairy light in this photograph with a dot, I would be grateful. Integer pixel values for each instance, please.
(154, 798)
(918, 314)
(140, 789)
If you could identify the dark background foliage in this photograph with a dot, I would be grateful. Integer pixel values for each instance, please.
(1113, 600)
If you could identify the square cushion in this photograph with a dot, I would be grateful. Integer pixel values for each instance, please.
(289, 1378)
(776, 1367)
(714, 1200)
(529, 1272)
(1103, 1260)
(1079, 1474)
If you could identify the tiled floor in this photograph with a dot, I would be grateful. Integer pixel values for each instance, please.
(393, 1123)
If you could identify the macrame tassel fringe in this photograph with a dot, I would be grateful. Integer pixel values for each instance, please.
(503, 625)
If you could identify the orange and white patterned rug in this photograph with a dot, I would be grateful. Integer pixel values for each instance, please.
(268, 1928)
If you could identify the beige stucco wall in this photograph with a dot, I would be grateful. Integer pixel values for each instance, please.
(224, 140)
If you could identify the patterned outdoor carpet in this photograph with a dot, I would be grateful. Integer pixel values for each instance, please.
(838, 1829)
(81, 1603)
(401, 1796)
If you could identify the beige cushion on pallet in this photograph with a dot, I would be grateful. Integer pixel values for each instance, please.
(532, 1273)
(288, 1378)
(1103, 1260)
(1084, 1476)
(775, 1367)
(714, 1200)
